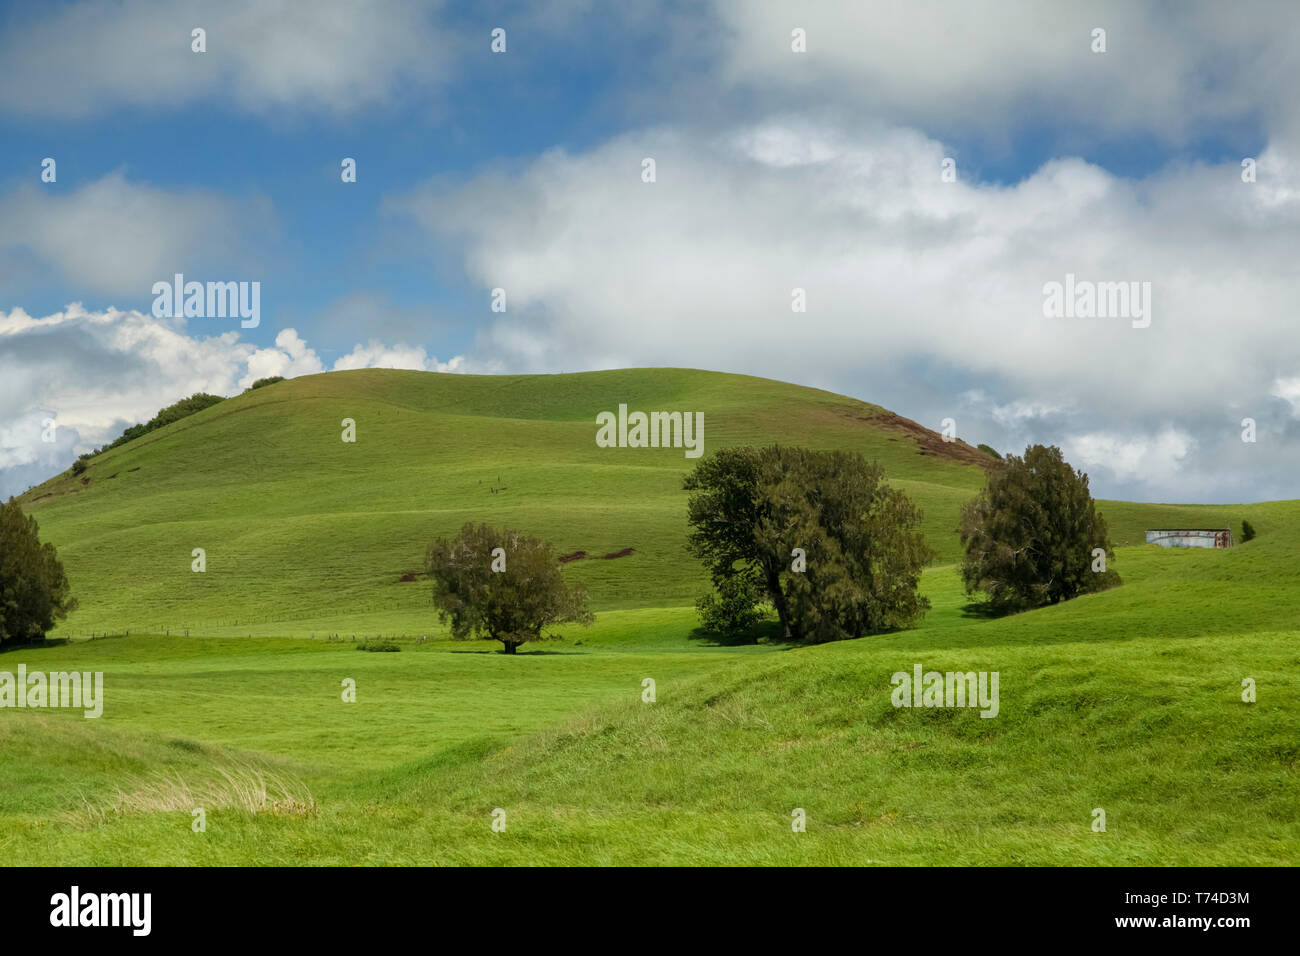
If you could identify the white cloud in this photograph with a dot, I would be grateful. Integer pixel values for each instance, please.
(119, 237)
(988, 67)
(377, 355)
(289, 358)
(1288, 389)
(603, 270)
(335, 56)
(95, 373)
(1152, 459)
(1015, 413)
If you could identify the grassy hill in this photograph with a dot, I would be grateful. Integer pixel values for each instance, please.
(304, 532)
(1128, 700)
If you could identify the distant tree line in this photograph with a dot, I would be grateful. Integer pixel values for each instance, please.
(172, 413)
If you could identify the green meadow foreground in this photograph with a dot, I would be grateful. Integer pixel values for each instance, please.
(1129, 700)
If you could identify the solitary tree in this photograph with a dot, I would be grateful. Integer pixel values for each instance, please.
(33, 588)
(502, 585)
(1033, 535)
(835, 549)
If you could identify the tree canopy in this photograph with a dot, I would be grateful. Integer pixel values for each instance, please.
(33, 587)
(1031, 535)
(502, 585)
(833, 547)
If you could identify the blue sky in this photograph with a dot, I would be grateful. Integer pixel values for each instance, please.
(776, 169)
(331, 241)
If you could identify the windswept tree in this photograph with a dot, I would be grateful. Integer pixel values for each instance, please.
(1033, 536)
(501, 585)
(33, 588)
(835, 549)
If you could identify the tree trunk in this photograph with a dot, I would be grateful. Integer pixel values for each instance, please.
(778, 601)
(510, 646)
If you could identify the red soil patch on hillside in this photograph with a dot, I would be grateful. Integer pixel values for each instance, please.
(930, 441)
(582, 555)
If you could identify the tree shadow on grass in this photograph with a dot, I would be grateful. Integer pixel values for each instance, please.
(765, 632)
(521, 653)
(35, 645)
(988, 611)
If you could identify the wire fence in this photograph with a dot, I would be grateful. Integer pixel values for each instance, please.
(205, 630)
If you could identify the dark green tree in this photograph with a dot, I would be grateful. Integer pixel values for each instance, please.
(33, 587)
(1247, 531)
(735, 609)
(859, 555)
(1030, 535)
(512, 604)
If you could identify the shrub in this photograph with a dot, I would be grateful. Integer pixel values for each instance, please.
(380, 646)
(263, 382)
(79, 466)
(1247, 531)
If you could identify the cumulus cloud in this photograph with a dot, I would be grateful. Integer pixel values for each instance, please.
(377, 355)
(289, 358)
(1288, 389)
(1156, 459)
(120, 237)
(898, 267)
(335, 57)
(988, 68)
(92, 374)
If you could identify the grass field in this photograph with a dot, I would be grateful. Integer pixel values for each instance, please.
(1128, 701)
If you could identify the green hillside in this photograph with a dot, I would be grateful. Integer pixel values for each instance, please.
(1129, 700)
(304, 532)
